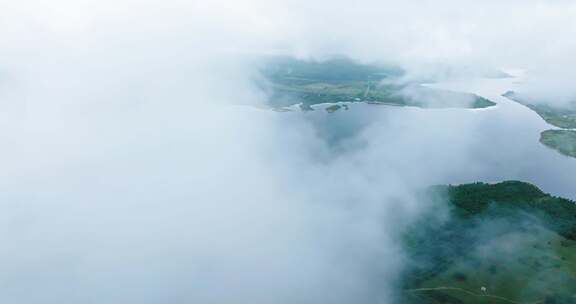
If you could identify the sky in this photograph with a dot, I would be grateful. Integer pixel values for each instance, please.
(130, 175)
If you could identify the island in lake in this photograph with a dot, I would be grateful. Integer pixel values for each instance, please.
(499, 243)
(291, 82)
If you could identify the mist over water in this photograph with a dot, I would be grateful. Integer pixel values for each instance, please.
(501, 142)
(132, 174)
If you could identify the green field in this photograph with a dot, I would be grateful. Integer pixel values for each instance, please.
(509, 238)
(563, 141)
(559, 116)
(308, 83)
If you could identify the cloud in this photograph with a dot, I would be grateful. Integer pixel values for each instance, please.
(127, 177)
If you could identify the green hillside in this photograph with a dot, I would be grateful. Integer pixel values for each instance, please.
(499, 243)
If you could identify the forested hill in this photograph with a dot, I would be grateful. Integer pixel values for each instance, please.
(496, 243)
(478, 199)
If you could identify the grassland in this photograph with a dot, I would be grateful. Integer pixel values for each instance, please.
(502, 243)
(308, 83)
(563, 141)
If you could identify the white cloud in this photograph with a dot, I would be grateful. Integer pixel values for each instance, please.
(126, 178)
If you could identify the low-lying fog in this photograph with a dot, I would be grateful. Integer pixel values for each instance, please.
(130, 176)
